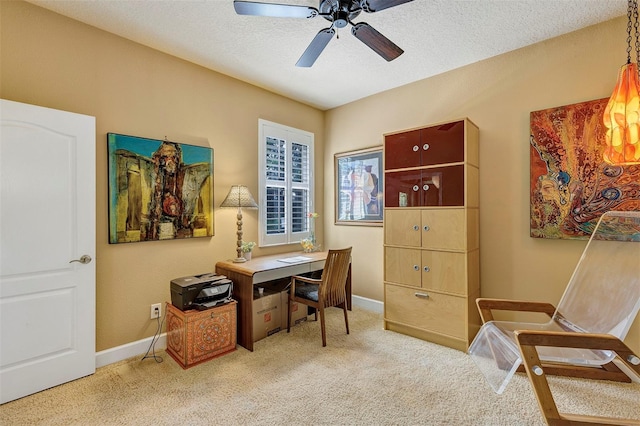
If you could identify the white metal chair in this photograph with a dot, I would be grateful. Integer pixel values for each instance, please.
(584, 336)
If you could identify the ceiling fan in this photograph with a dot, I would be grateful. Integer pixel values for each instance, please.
(339, 13)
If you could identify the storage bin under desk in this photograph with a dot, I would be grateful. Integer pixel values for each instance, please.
(195, 336)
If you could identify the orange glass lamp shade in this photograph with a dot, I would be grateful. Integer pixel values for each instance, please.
(622, 119)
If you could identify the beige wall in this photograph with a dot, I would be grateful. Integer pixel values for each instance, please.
(56, 62)
(496, 94)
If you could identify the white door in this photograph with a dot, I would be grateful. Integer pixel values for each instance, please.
(47, 220)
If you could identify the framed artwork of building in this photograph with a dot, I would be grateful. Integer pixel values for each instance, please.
(158, 189)
(359, 192)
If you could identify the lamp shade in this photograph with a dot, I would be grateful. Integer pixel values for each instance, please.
(239, 196)
(622, 119)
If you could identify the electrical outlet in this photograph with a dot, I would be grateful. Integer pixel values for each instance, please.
(156, 310)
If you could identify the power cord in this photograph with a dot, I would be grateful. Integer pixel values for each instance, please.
(152, 345)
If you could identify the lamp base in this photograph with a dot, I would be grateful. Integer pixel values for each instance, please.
(239, 260)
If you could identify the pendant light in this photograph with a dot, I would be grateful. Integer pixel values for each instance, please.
(622, 114)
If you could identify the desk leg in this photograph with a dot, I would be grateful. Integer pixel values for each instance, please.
(348, 288)
(243, 294)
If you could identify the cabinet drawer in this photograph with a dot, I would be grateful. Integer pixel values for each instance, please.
(444, 229)
(444, 271)
(426, 310)
(403, 266)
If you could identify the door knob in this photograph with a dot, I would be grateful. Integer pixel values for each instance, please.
(84, 259)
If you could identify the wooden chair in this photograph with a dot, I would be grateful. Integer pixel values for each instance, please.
(528, 340)
(584, 335)
(325, 292)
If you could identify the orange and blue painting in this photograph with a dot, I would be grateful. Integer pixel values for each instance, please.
(158, 190)
(571, 185)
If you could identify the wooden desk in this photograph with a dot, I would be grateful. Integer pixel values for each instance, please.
(262, 269)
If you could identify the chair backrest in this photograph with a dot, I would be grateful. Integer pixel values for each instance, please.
(334, 277)
(603, 295)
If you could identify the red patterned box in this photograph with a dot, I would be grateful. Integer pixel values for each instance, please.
(198, 336)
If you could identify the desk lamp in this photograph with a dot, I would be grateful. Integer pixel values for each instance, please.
(239, 196)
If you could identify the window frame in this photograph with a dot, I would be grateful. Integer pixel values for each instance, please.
(290, 135)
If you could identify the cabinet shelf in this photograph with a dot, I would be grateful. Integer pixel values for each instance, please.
(432, 166)
(425, 290)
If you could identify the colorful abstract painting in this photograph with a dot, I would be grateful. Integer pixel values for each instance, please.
(571, 185)
(158, 190)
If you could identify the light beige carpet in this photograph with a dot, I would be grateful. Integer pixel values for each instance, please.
(370, 377)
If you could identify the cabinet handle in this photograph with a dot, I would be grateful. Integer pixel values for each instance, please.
(426, 269)
(416, 228)
(425, 146)
(416, 268)
(415, 188)
(415, 148)
(422, 295)
(426, 228)
(425, 187)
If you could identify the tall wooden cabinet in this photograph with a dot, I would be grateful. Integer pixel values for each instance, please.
(431, 233)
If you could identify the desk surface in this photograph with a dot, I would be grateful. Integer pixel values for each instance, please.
(272, 262)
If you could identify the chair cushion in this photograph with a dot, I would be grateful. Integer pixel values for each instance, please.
(307, 291)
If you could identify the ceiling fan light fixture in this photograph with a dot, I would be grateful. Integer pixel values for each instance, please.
(340, 13)
(341, 19)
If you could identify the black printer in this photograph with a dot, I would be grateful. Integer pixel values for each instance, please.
(200, 292)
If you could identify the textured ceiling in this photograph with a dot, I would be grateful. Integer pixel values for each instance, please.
(436, 35)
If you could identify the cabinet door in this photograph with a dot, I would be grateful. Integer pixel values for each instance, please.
(403, 266)
(443, 186)
(403, 189)
(402, 150)
(442, 144)
(444, 271)
(444, 229)
(402, 228)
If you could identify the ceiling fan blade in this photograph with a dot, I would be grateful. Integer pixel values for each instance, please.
(377, 5)
(376, 41)
(316, 47)
(274, 10)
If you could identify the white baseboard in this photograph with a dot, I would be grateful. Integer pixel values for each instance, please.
(139, 348)
(368, 304)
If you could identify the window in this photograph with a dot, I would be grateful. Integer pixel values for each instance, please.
(286, 183)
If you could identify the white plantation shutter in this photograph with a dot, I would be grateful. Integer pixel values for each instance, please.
(286, 183)
(274, 205)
